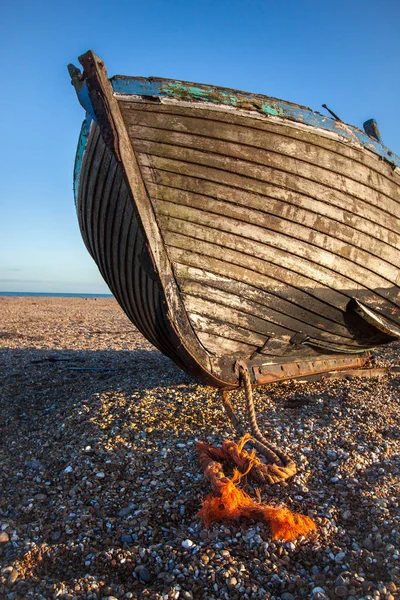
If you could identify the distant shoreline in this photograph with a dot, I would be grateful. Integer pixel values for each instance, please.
(56, 295)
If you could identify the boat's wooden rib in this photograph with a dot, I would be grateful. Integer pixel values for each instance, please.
(107, 176)
(227, 233)
(85, 212)
(114, 239)
(103, 188)
(323, 141)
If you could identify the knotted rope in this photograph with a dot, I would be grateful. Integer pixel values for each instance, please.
(227, 501)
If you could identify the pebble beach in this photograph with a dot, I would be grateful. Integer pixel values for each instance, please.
(100, 482)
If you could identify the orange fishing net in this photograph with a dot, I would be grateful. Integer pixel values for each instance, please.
(227, 501)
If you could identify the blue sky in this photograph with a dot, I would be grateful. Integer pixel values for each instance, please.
(345, 54)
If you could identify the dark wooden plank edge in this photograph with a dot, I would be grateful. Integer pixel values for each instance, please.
(114, 133)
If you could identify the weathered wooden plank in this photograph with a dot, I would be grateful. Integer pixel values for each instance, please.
(160, 167)
(293, 287)
(183, 130)
(334, 224)
(220, 307)
(207, 324)
(355, 246)
(236, 280)
(205, 242)
(318, 138)
(246, 299)
(276, 247)
(276, 326)
(237, 189)
(291, 205)
(220, 346)
(329, 175)
(293, 179)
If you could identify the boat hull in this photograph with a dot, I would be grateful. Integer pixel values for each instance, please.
(229, 235)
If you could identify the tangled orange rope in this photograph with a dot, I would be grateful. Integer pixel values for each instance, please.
(227, 501)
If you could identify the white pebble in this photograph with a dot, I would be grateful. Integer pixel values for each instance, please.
(68, 469)
(187, 544)
(100, 475)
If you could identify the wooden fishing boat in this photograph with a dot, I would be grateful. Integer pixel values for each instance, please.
(237, 227)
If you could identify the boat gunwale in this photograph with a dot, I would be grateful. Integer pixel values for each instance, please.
(153, 87)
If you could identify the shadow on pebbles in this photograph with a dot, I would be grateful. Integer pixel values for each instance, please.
(100, 483)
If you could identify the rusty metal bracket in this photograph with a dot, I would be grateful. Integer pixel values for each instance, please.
(272, 372)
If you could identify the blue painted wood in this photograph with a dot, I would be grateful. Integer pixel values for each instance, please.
(85, 101)
(269, 106)
(82, 142)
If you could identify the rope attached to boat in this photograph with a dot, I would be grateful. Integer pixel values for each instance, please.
(280, 466)
(227, 501)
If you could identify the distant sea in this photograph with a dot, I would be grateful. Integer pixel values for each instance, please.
(56, 295)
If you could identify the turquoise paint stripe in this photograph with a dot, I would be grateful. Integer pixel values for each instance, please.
(139, 86)
(83, 138)
(268, 106)
(85, 101)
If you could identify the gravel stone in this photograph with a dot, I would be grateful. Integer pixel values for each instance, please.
(144, 575)
(13, 576)
(340, 557)
(341, 591)
(82, 394)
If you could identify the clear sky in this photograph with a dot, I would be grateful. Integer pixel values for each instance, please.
(342, 53)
